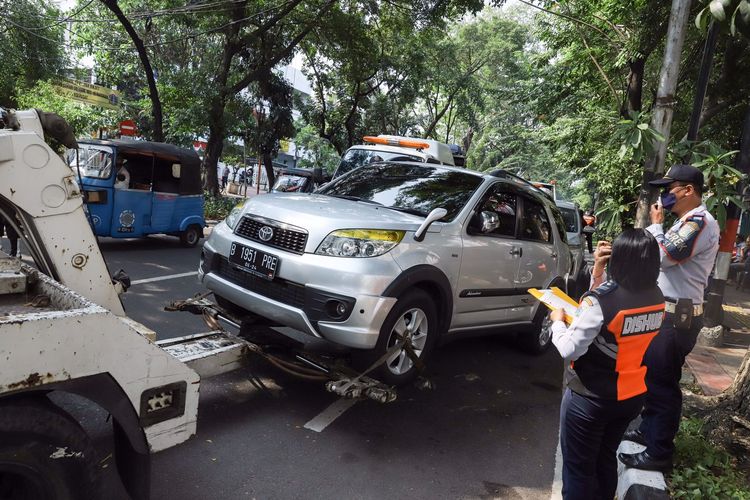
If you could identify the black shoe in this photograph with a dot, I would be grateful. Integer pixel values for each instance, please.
(644, 461)
(636, 436)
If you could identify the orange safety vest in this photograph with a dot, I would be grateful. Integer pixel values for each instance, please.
(612, 367)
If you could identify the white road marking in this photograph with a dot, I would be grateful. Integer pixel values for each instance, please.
(162, 278)
(556, 493)
(327, 416)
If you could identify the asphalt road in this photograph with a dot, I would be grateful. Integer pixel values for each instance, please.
(487, 429)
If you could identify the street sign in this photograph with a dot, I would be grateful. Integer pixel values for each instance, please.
(199, 146)
(88, 93)
(127, 127)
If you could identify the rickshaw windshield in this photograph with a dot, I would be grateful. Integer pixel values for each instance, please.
(94, 161)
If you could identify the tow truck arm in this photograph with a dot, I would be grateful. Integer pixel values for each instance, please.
(39, 191)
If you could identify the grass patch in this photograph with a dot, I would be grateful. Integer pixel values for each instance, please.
(218, 207)
(702, 470)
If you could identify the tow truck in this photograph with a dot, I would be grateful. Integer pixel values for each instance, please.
(63, 329)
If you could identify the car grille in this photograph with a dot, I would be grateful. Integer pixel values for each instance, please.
(284, 237)
(281, 290)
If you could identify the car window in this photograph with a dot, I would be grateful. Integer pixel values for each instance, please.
(411, 188)
(93, 160)
(504, 205)
(560, 225)
(534, 223)
(570, 218)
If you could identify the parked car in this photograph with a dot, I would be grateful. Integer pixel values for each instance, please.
(393, 249)
(136, 188)
(297, 180)
(580, 274)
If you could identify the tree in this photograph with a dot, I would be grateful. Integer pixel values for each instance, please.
(156, 112)
(315, 151)
(31, 46)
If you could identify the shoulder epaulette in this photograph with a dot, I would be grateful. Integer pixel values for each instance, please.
(605, 288)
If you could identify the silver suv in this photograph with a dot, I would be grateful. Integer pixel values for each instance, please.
(392, 250)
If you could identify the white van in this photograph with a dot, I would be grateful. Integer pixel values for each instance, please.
(394, 148)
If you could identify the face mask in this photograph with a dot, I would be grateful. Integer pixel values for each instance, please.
(668, 200)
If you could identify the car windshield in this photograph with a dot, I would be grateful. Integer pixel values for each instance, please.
(416, 189)
(355, 158)
(570, 216)
(94, 161)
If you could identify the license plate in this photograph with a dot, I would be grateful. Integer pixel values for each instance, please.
(254, 261)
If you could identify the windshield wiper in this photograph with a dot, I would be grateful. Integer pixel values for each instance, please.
(353, 198)
(412, 211)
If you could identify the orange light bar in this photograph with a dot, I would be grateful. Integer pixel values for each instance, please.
(388, 141)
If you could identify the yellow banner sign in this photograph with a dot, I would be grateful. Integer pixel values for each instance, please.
(88, 93)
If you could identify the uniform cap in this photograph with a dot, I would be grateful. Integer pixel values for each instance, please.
(681, 173)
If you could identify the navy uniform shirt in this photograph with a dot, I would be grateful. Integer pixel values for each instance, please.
(688, 251)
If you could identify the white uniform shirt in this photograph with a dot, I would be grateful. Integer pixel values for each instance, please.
(688, 251)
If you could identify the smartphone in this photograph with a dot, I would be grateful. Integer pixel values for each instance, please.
(658, 203)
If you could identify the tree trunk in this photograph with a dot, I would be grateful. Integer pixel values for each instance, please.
(665, 97)
(215, 146)
(268, 163)
(153, 92)
(634, 94)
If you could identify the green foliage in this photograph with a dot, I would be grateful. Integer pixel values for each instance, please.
(317, 152)
(636, 136)
(703, 471)
(735, 13)
(218, 207)
(31, 46)
(85, 119)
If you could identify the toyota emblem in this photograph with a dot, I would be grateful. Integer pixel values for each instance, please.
(265, 233)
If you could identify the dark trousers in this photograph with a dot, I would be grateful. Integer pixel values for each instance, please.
(663, 407)
(590, 432)
(589, 241)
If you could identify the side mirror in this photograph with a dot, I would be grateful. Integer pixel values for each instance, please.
(433, 216)
(488, 221)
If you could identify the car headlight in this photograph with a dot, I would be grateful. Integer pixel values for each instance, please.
(359, 242)
(234, 215)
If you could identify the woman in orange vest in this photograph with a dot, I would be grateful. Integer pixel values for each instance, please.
(603, 349)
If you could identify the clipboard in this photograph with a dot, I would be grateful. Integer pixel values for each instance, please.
(554, 298)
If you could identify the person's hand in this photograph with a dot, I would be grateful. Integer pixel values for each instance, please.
(657, 214)
(557, 315)
(601, 257)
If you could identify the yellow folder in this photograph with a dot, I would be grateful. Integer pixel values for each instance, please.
(554, 298)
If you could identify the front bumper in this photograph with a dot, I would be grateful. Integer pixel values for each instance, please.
(310, 307)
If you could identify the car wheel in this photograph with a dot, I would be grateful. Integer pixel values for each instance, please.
(191, 236)
(414, 315)
(44, 453)
(538, 339)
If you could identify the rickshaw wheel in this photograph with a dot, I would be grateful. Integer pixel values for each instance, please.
(191, 236)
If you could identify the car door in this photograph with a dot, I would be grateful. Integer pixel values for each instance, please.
(538, 260)
(489, 264)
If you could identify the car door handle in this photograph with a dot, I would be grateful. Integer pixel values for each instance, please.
(518, 251)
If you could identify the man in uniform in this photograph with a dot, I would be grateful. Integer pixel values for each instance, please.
(688, 251)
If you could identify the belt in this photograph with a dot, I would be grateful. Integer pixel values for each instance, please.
(669, 307)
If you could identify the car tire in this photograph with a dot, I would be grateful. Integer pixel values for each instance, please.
(539, 337)
(191, 236)
(415, 312)
(44, 453)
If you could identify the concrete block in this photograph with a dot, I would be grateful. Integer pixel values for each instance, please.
(711, 336)
(635, 484)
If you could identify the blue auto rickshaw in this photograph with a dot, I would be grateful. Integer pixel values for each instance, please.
(137, 188)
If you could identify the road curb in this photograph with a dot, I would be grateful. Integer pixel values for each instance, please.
(636, 484)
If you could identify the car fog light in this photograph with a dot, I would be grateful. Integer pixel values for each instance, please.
(341, 309)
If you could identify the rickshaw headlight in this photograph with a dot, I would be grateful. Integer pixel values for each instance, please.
(234, 215)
